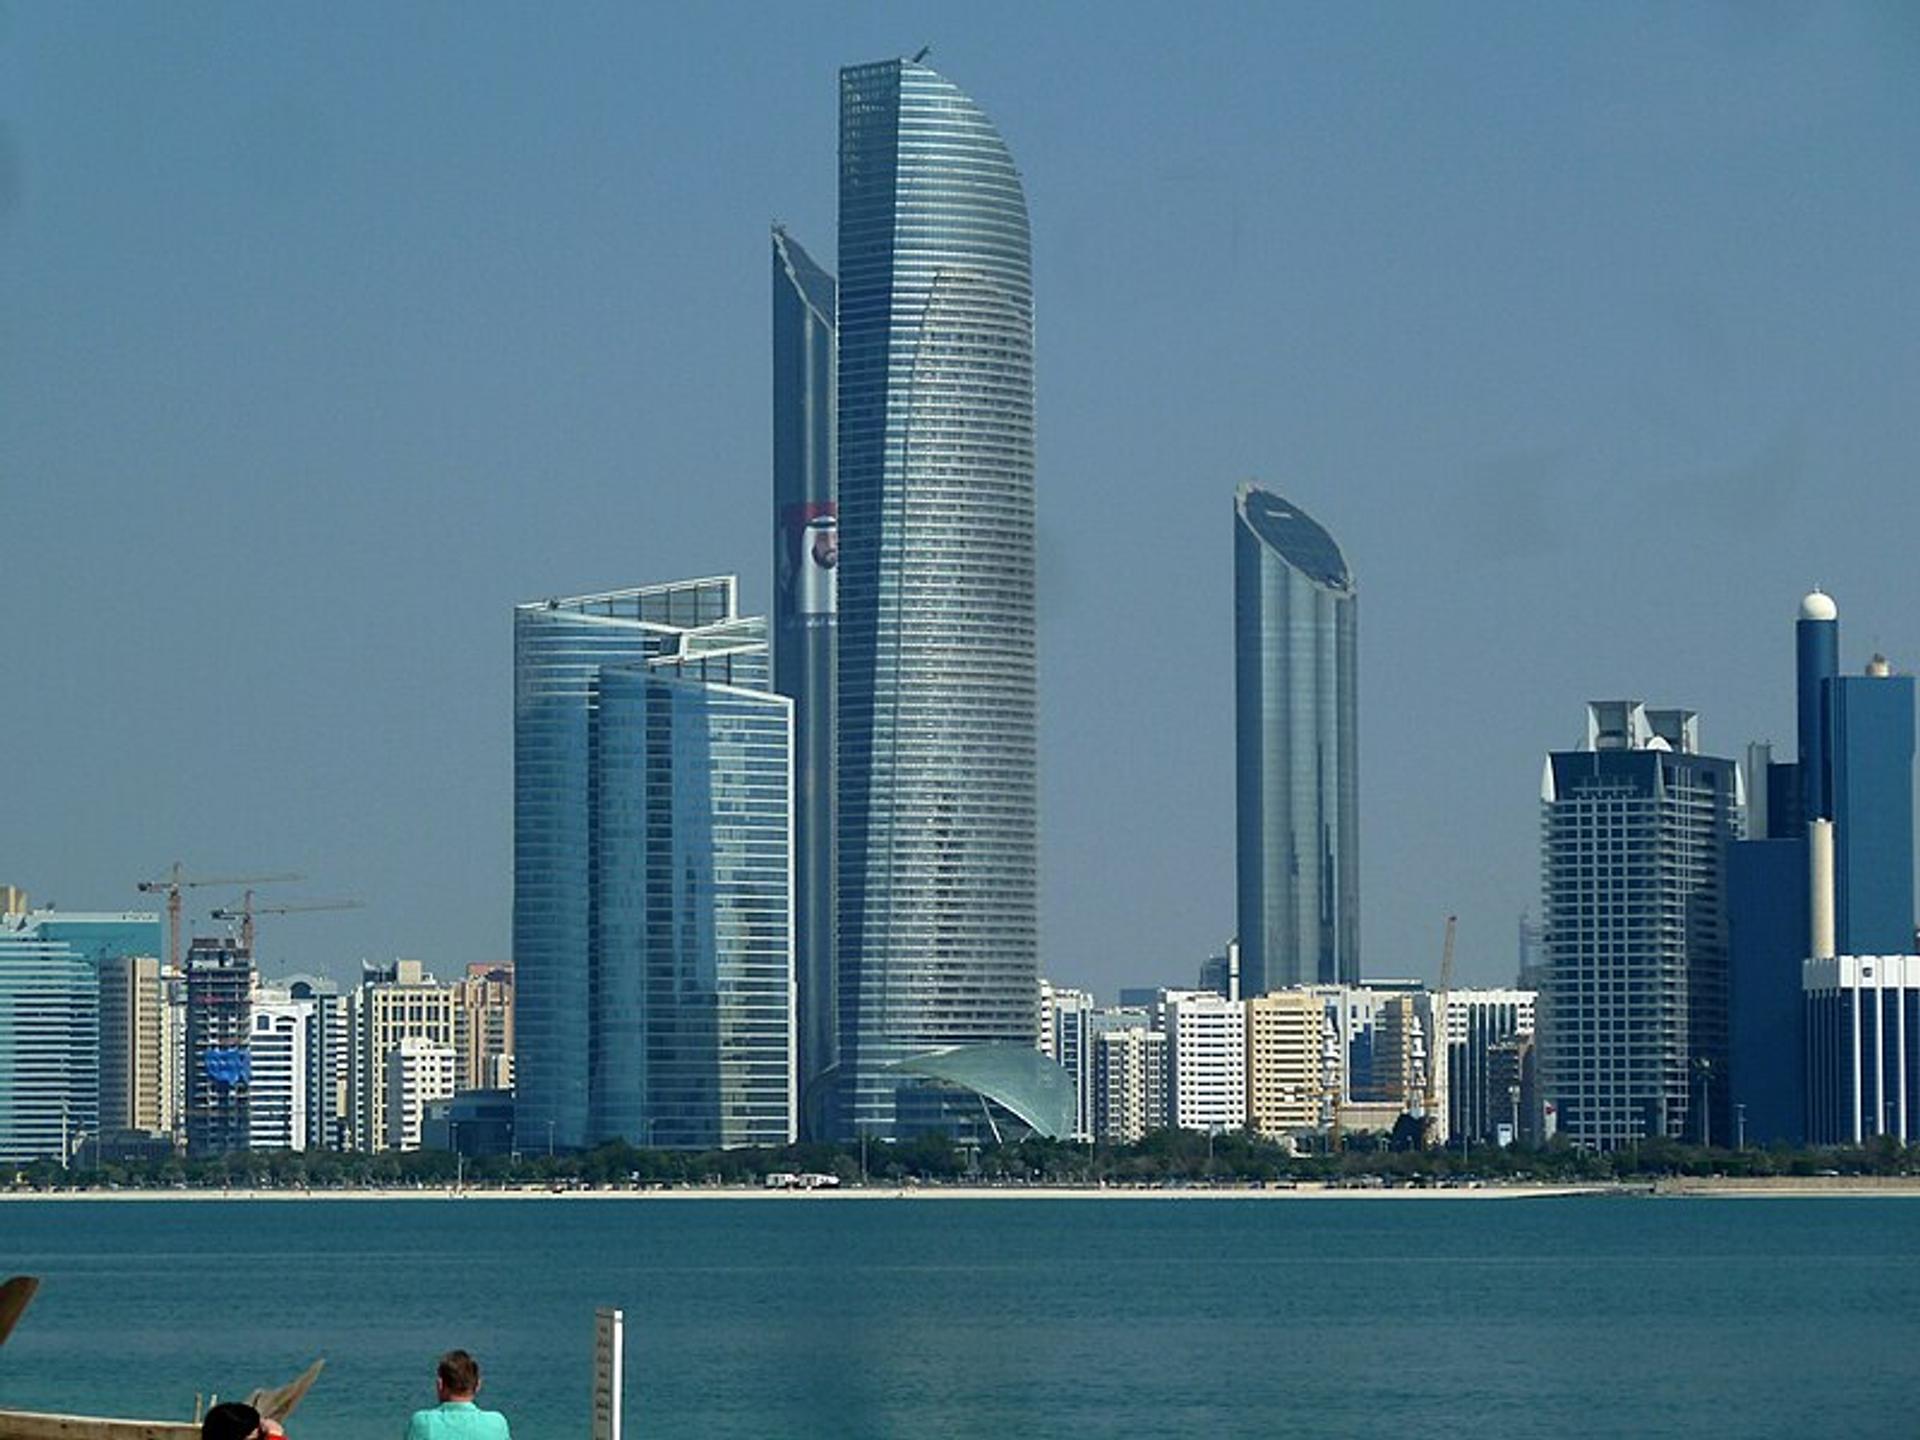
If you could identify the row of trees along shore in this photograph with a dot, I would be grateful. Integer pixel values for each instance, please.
(1166, 1157)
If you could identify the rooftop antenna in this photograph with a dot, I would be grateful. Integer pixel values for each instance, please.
(921, 54)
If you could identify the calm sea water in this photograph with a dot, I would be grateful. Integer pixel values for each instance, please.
(1003, 1318)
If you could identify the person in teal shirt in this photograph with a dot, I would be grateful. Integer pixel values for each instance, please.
(456, 1417)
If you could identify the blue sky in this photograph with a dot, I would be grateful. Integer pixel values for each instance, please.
(327, 334)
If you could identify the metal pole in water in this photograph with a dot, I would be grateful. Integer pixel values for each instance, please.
(609, 1371)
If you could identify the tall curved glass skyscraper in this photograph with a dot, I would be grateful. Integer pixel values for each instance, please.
(937, 903)
(1296, 782)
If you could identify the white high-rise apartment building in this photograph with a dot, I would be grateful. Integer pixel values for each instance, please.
(329, 1053)
(277, 1112)
(418, 1071)
(1633, 1003)
(1207, 1059)
(1066, 1038)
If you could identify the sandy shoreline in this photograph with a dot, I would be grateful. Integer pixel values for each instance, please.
(1907, 1187)
(850, 1193)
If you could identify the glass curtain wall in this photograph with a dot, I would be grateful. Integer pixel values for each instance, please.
(652, 897)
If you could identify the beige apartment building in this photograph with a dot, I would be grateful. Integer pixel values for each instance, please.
(1286, 1062)
(138, 1036)
(483, 1037)
(402, 1004)
(392, 1003)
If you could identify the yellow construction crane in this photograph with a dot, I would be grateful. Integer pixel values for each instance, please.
(1437, 1041)
(173, 883)
(247, 910)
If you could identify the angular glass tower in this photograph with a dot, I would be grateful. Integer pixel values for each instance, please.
(653, 939)
(1296, 776)
(806, 556)
(937, 823)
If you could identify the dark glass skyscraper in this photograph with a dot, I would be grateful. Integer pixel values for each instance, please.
(937, 756)
(1296, 772)
(806, 557)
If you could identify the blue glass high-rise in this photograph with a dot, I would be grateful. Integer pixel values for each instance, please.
(1296, 764)
(652, 872)
(1870, 740)
(937, 754)
(50, 1022)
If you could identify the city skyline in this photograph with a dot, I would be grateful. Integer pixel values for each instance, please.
(279, 724)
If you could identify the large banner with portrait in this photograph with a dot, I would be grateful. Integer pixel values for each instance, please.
(810, 555)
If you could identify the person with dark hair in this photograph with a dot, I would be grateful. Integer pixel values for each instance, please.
(234, 1421)
(456, 1417)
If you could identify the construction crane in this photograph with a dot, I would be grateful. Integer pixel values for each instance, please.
(1437, 1041)
(247, 910)
(172, 884)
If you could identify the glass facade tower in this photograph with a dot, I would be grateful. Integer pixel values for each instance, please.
(937, 823)
(50, 986)
(1296, 773)
(806, 559)
(653, 939)
(1870, 741)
